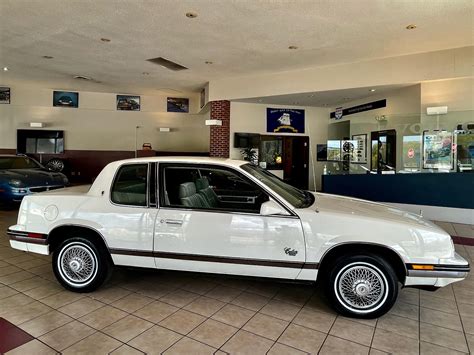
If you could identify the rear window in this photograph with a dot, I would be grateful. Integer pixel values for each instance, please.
(130, 185)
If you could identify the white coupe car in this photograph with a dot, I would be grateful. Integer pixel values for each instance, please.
(231, 217)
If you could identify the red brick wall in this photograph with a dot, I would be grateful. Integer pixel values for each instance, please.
(220, 135)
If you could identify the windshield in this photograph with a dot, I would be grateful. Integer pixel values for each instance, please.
(296, 197)
(18, 163)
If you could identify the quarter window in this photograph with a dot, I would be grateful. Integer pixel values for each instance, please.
(130, 185)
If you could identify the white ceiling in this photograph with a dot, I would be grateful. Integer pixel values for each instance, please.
(330, 99)
(239, 37)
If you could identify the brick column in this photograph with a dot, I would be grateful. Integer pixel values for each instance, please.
(220, 135)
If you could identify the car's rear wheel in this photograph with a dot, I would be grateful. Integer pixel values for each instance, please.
(362, 286)
(80, 265)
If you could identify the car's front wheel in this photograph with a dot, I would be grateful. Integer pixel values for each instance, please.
(362, 286)
(80, 265)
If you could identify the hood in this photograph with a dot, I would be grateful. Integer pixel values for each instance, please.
(32, 177)
(363, 208)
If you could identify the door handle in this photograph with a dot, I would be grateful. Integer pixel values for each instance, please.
(176, 222)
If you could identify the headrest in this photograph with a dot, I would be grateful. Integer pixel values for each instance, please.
(187, 189)
(202, 183)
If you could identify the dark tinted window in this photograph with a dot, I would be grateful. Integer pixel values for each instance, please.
(130, 185)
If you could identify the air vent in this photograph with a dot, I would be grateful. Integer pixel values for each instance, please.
(167, 64)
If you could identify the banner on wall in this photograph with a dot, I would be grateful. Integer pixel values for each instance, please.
(283, 120)
(340, 112)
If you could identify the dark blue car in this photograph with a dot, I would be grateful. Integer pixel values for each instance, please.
(21, 176)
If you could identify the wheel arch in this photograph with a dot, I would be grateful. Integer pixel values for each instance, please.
(351, 248)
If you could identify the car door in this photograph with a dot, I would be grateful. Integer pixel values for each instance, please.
(223, 232)
(129, 219)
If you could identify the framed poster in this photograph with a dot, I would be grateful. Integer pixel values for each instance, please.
(128, 103)
(412, 152)
(283, 120)
(177, 104)
(438, 150)
(65, 99)
(359, 155)
(4, 95)
(334, 150)
(321, 152)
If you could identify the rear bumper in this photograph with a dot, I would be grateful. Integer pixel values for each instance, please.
(26, 242)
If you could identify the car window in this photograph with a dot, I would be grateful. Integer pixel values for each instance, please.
(18, 163)
(209, 188)
(130, 185)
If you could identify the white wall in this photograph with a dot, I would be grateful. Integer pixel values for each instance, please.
(97, 125)
(251, 118)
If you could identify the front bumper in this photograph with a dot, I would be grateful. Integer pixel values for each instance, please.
(16, 194)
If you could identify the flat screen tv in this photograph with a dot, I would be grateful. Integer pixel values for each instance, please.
(35, 141)
(246, 140)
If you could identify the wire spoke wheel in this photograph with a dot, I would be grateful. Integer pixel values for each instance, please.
(77, 264)
(361, 287)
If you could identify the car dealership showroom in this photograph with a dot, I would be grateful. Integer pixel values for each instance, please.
(236, 176)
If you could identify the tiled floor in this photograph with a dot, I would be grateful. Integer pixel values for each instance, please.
(142, 311)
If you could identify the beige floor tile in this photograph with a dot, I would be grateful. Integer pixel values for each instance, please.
(103, 317)
(97, 343)
(266, 289)
(393, 343)
(127, 328)
(315, 320)
(205, 306)
(41, 292)
(16, 277)
(466, 309)
(224, 293)
(81, 307)
(186, 346)
(297, 295)
(448, 227)
(132, 302)
(24, 313)
(470, 341)
(156, 311)
(352, 331)
(439, 304)
(465, 296)
(399, 325)
(377, 352)
(279, 309)
(179, 298)
(444, 337)
(247, 343)
(463, 230)
(26, 265)
(45, 323)
(236, 282)
(405, 310)
(318, 303)
(182, 321)
(442, 319)
(109, 294)
(32, 347)
(199, 286)
(63, 337)
(155, 340)
(233, 315)
(62, 298)
(334, 346)
(432, 349)
(302, 338)
(28, 284)
(250, 301)
(126, 350)
(468, 324)
(281, 349)
(266, 326)
(369, 322)
(6, 291)
(409, 297)
(13, 301)
(213, 333)
(10, 269)
(443, 292)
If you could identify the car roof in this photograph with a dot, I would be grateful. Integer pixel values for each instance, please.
(187, 159)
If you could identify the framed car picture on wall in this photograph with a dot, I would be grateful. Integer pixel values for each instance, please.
(65, 99)
(4, 95)
(177, 104)
(128, 103)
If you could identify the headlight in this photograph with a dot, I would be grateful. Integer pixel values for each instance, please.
(15, 183)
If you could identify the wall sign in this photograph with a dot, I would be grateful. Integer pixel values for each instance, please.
(283, 120)
(359, 108)
(4, 95)
(437, 150)
(338, 113)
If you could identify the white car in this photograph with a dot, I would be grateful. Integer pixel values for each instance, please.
(231, 217)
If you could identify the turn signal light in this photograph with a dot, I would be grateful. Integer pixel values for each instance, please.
(423, 267)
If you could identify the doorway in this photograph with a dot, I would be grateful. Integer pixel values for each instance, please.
(384, 153)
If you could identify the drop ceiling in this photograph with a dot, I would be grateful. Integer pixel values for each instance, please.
(238, 37)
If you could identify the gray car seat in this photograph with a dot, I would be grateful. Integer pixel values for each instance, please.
(190, 198)
(202, 185)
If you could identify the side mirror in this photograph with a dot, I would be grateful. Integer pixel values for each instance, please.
(271, 207)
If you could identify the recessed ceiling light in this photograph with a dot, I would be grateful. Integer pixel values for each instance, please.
(5, 68)
(191, 15)
(208, 62)
(372, 90)
(411, 27)
(105, 40)
(292, 47)
(47, 57)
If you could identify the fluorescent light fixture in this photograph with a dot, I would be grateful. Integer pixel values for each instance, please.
(438, 110)
(37, 124)
(165, 129)
(213, 123)
(5, 68)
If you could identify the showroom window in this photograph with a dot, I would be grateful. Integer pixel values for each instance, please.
(130, 185)
(210, 188)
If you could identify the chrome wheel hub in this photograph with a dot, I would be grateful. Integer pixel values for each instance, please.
(77, 264)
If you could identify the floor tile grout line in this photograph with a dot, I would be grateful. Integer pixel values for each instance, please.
(462, 323)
